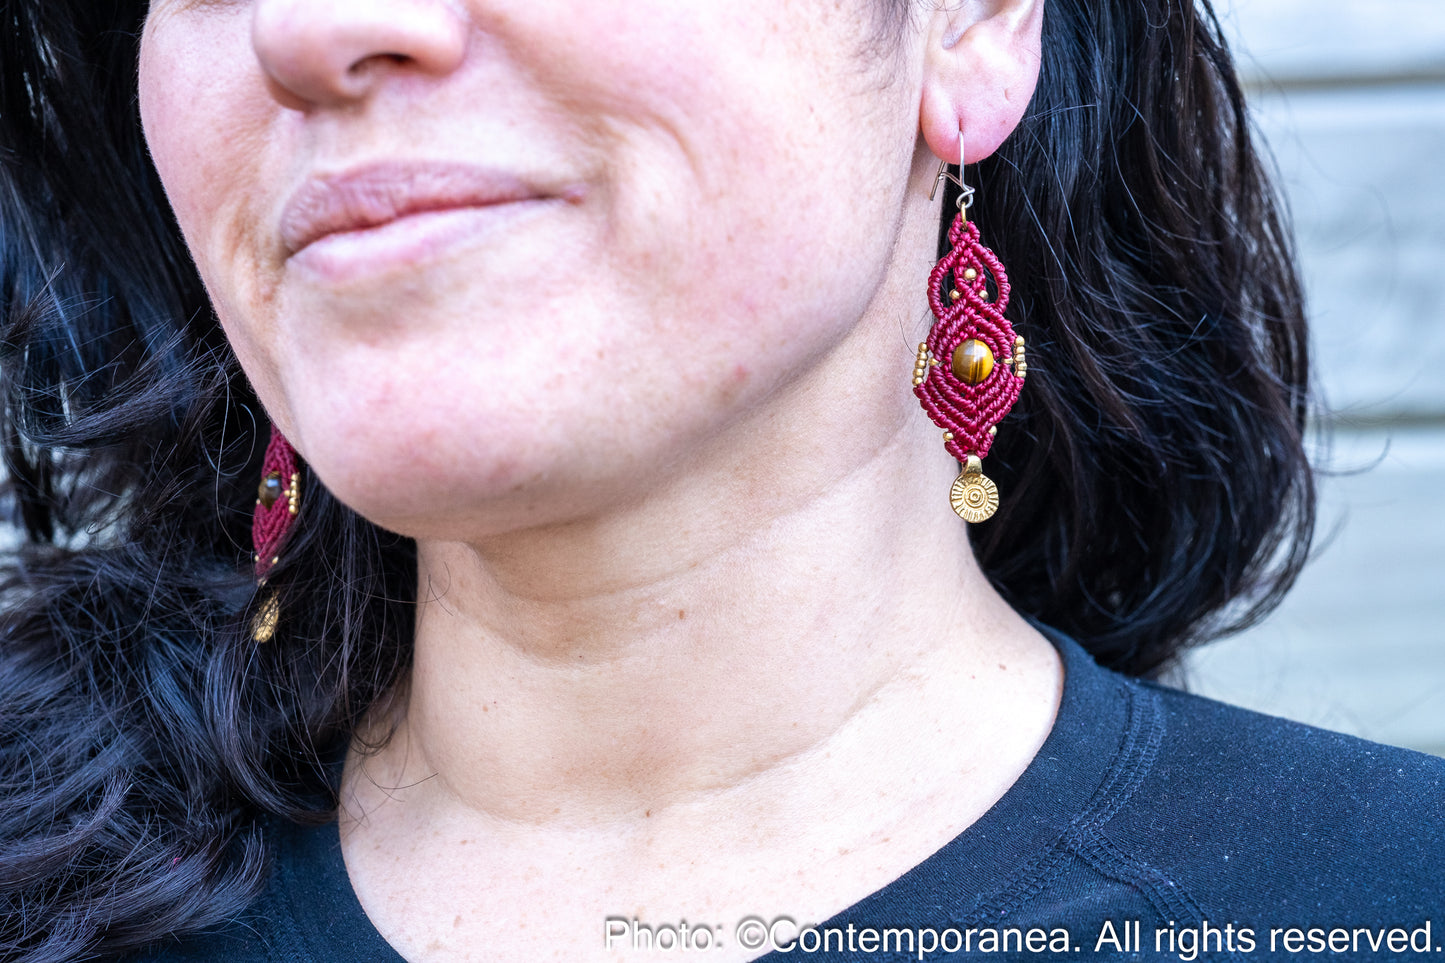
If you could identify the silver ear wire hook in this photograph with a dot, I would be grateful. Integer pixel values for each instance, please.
(965, 197)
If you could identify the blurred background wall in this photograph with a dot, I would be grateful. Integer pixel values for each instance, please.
(1351, 98)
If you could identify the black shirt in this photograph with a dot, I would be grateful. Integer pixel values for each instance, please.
(1152, 824)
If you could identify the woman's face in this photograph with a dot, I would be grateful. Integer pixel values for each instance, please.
(477, 254)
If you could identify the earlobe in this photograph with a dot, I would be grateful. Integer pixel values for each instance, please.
(980, 70)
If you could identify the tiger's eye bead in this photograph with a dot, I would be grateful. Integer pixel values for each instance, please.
(972, 361)
(270, 489)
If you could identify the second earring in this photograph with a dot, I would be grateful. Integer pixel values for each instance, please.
(970, 370)
(278, 499)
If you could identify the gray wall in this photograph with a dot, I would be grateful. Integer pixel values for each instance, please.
(1351, 97)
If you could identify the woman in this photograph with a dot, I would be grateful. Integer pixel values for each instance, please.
(622, 590)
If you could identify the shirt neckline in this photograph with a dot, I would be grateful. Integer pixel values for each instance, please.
(1086, 766)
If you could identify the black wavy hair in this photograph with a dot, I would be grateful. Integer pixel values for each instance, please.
(1159, 493)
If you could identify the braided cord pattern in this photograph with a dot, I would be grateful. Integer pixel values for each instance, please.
(968, 411)
(270, 523)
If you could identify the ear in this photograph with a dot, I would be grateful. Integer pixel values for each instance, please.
(980, 70)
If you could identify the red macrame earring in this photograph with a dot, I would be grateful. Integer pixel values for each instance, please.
(278, 499)
(971, 368)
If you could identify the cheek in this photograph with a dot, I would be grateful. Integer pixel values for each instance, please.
(752, 143)
(185, 92)
(205, 117)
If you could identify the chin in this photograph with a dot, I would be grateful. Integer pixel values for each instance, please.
(432, 481)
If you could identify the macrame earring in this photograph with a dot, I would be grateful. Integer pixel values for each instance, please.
(971, 368)
(278, 499)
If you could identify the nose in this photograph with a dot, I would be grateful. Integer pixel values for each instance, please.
(331, 52)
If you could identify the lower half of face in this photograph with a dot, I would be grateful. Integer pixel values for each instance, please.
(684, 205)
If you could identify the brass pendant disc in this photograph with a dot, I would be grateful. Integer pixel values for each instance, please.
(974, 496)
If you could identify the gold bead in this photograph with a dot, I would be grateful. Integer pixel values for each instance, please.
(954, 295)
(1019, 341)
(948, 436)
(993, 431)
(972, 362)
(969, 274)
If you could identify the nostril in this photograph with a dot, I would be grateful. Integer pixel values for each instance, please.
(331, 52)
(395, 59)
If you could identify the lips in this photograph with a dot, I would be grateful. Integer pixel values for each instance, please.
(379, 194)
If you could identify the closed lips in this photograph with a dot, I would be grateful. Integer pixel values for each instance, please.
(375, 195)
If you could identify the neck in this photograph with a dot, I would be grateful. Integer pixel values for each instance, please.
(752, 621)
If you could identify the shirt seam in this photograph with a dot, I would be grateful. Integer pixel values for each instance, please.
(1143, 735)
(1170, 899)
